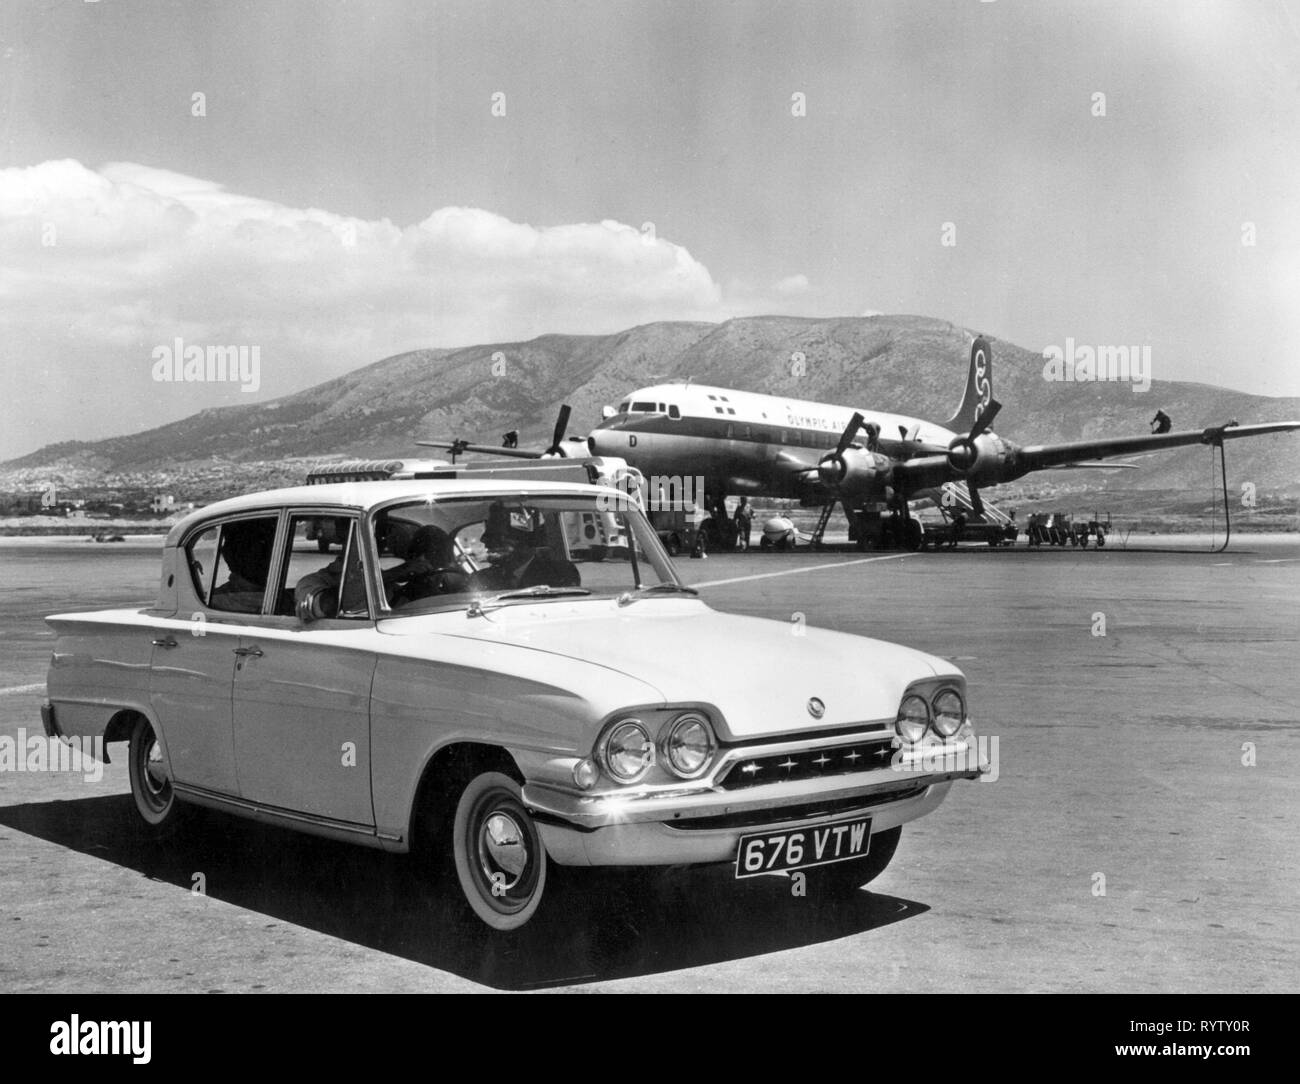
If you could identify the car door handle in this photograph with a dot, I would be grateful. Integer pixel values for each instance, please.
(169, 642)
(245, 652)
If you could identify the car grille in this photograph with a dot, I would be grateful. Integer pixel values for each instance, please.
(808, 764)
(754, 818)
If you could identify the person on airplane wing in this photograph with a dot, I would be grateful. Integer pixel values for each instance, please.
(1161, 422)
(520, 557)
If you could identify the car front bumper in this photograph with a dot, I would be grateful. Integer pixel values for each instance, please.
(703, 826)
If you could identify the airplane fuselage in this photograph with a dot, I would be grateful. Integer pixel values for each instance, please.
(745, 442)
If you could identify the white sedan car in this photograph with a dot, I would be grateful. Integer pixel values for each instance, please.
(473, 678)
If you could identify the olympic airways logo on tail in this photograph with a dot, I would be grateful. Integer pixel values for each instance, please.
(983, 386)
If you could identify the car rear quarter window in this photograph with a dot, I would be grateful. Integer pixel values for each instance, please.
(201, 556)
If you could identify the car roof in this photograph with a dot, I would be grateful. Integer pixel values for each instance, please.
(363, 496)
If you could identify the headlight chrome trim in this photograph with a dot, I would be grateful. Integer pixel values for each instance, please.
(677, 723)
(937, 712)
(911, 737)
(603, 753)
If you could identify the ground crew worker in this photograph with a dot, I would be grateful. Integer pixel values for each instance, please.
(744, 521)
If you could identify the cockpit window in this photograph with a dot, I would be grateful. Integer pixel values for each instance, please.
(622, 407)
(643, 408)
(673, 412)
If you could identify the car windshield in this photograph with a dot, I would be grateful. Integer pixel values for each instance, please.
(458, 552)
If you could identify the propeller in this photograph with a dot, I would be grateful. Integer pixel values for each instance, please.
(561, 427)
(832, 468)
(962, 452)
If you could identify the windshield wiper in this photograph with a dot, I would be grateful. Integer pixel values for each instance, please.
(480, 605)
(628, 597)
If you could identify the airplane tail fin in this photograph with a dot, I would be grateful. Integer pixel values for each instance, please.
(979, 387)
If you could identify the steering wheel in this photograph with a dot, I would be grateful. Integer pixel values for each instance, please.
(427, 584)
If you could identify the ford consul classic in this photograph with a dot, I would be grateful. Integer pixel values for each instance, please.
(502, 676)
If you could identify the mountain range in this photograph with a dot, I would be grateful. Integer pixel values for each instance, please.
(905, 364)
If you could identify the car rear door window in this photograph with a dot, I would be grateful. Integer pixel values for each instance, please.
(243, 564)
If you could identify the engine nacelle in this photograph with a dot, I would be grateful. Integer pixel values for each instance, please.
(978, 458)
(856, 472)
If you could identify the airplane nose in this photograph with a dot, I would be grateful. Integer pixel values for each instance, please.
(601, 440)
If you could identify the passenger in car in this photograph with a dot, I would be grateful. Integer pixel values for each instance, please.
(327, 579)
(246, 553)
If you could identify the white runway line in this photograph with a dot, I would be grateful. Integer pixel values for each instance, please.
(796, 571)
(15, 689)
(1277, 560)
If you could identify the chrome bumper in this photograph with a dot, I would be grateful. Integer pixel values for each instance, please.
(676, 828)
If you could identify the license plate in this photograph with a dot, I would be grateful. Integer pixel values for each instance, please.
(799, 848)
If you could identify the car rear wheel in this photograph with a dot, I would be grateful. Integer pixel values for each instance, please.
(498, 852)
(852, 875)
(151, 784)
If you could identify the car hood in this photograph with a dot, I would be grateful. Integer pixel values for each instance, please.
(759, 674)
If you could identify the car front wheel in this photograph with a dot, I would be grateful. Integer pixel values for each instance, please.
(499, 857)
(151, 784)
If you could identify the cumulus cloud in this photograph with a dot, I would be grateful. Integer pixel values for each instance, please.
(97, 267)
(792, 284)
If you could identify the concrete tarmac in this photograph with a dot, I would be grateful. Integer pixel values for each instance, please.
(1140, 835)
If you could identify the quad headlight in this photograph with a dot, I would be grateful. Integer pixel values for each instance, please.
(688, 745)
(913, 718)
(949, 712)
(627, 751)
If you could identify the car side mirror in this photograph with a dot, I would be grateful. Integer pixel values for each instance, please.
(315, 603)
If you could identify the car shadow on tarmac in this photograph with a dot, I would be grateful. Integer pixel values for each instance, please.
(595, 925)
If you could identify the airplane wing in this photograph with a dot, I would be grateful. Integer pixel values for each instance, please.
(457, 447)
(1044, 456)
(1097, 466)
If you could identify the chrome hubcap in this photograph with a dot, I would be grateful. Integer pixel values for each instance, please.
(155, 770)
(502, 850)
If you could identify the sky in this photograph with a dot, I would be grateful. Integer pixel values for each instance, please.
(330, 183)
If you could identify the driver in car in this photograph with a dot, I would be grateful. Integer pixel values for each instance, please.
(520, 556)
(430, 568)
